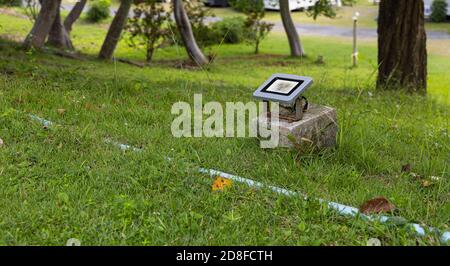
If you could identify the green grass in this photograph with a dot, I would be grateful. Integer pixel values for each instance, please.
(66, 182)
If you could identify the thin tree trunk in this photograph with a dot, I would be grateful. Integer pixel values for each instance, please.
(291, 31)
(58, 36)
(402, 55)
(74, 14)
(184, 26)
(115, 30)
(42, 25)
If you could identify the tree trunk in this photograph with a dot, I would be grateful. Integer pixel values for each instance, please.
(58, 36)
(41, 28)
(291, 31)
(74, 14)
(184, 26)
(115, 29)
(402, 55)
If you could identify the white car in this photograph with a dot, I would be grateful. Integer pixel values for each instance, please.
(295, 4)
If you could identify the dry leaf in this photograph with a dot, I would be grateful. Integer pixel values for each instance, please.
(221, 183)
(377, 205)
(1, 142)
(427, 183)
(61, 111)
(406, 168)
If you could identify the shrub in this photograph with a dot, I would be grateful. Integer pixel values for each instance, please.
(438, 11)
(246, 5)
(230, 30)
(146, 27)
(256, 29)
(10, 2)
(98, 10)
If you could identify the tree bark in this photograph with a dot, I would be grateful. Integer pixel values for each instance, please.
(42, 25)
(74, 14)
(184, 26)
(58, 36)
(291, 31)
(115, 30)
(402, 55)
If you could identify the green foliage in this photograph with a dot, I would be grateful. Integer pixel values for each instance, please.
(256, 28)
(349, 2)
(246, 6)
(10, 2)
(321, 7)
(98, 10)
(439, 11)
(197, 14)
(146, 27)
(230, 30)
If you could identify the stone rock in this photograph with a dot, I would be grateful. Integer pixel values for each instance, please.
(319, 125)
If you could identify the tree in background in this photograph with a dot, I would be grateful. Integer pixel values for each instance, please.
(402, 55)
(439, 11)
(146, 27)
(115, 30)
(49, 26)
(58, 35)
(185, 29)
(197, 14)
(257, 29)
(291, 32)
(41, 27)
(321, 7)
(74, 14)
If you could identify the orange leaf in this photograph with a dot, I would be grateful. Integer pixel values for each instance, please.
(377, 205)
(221, 183)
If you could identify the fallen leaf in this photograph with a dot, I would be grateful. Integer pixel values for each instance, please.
(427, 183)
(1, 142)
(221, 183)
(406, 168)
(377, 205)
(61, 111)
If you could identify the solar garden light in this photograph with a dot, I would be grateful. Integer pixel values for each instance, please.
(288, 91)
(298, 119)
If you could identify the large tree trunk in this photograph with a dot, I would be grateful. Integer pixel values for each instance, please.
(41, 28)
(184, 26)
(115, 29)
(74, 14)
(291, 31)
(58, 36)
(402, 55)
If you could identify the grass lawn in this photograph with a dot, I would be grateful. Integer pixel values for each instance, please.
(66, 182)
